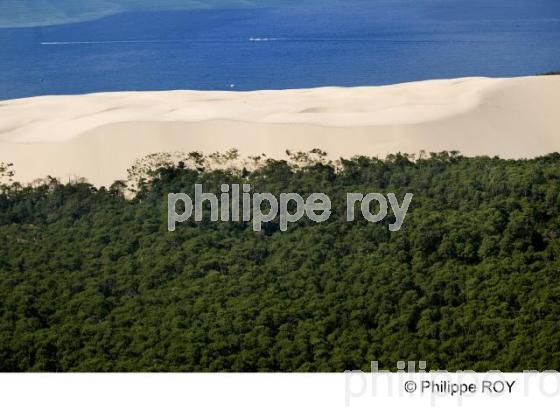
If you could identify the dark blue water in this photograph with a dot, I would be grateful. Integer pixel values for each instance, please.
(364, 43)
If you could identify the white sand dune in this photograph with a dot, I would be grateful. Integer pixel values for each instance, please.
(98, 136)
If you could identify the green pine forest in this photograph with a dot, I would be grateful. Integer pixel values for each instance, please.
(91, 280)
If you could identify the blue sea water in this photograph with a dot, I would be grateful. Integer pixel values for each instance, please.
(362, 43)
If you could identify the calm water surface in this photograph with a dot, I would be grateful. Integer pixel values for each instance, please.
(363, 43)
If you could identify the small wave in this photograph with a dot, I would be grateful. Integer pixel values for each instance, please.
(65, 43)
(264, 39)
(185, 40)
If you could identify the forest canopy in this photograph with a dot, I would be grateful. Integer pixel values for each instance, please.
(91, 280)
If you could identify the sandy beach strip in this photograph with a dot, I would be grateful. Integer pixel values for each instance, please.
(98, 136)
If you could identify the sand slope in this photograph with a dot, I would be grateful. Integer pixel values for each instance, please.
(98, 136)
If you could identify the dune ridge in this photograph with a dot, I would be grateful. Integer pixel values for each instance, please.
(98, 136)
